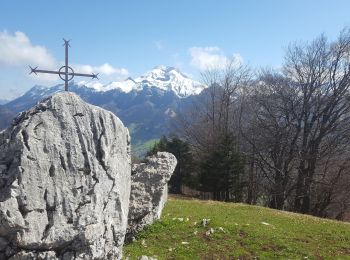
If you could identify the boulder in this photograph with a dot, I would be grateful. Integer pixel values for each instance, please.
(149, 191)
(65, 182)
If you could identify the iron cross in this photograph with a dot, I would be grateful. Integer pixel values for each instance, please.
(66, 72)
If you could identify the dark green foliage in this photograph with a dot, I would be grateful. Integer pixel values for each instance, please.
(160, 146)
(222, 169)
(184, 168)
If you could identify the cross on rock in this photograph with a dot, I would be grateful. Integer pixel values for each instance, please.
(66, 72)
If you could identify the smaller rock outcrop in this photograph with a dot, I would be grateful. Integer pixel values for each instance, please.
(149, 191)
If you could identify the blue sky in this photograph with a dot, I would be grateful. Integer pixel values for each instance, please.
(127, 38)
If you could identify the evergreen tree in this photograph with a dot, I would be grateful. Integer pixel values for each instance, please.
(221, 171)
(184, 168)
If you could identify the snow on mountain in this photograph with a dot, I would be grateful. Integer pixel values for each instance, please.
(162, 77)
(169, 78)
(38, 92)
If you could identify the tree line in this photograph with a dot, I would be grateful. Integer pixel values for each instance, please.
(273, 137)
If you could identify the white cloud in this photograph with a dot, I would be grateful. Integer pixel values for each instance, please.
(17, 50)
(106, 72)
(177, 61)
(159, 45)
(45, 78)
(104, 69)
(207, 58)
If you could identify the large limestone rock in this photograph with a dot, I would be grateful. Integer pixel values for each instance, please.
(149, 191)
(64, 182)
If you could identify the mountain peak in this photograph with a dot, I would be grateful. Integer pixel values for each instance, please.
(167, 70)
(163, 67)
(159, 72)
(162, 77)
(170, 79)
(165, 78)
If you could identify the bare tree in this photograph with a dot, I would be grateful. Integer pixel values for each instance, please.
(293, 126)
(321, 73)
(270, 133)
(210, 125)
(215, 112)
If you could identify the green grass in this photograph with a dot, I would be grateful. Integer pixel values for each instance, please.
(249, 232)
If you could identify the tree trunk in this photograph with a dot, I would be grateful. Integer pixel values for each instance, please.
(250, 183)
(278, 192)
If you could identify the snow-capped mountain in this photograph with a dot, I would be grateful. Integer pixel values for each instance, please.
(146, 105)
(162, 77)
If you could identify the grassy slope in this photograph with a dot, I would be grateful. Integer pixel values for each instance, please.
(142, 148)
(249, 232)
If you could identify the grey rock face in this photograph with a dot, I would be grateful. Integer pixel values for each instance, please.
(149, 191)
(64, 182)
